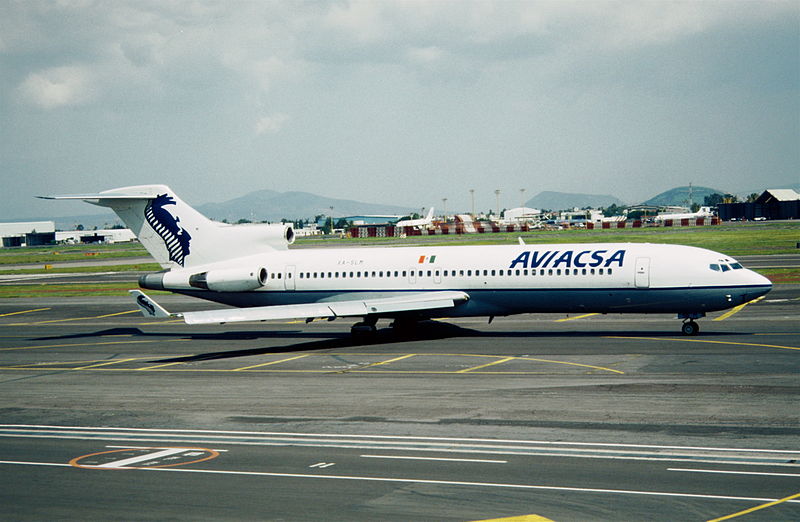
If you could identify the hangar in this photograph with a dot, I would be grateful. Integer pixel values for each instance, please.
(27, 233)
(771, 204)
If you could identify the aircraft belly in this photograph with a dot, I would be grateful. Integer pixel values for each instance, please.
(515, 301)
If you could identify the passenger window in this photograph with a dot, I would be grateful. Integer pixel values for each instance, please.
(583, 271)
(525, 272)
(395, 273)
(501, 272)
(592, 271)
(461, 273)
(609, 271)
(469, 273)
(404, 273)
(549, 271)
(558, 272)
(429, 273)
(437, 273)
(600, 271)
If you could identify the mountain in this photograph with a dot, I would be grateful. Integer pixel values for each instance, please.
(679, 196)
(548, 200)
(268, 205)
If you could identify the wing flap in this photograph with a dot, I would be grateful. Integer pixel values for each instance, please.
(353, 308)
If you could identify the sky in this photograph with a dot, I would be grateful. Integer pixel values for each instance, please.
(405, 102)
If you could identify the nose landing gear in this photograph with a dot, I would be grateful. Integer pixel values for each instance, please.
(689, 326)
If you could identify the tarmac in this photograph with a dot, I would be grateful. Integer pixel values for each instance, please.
(108, 415)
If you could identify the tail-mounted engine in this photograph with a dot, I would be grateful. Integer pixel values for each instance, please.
(217, 280)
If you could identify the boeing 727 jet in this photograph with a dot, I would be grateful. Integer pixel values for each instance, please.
(251, 268)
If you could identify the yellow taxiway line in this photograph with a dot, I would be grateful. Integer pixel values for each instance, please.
(762, 506)
(573, 318)
(24, 312)
(736, 309)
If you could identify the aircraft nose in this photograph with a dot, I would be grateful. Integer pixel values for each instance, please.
(757, 280)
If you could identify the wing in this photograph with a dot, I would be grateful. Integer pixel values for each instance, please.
(354, 308)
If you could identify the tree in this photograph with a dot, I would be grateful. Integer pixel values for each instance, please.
(712, 200)
(752, 197)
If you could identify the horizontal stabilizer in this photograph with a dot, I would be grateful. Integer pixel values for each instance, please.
(148, 306)
(331, 310)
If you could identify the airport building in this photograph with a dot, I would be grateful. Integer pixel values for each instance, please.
(28, 233)
(771, 204)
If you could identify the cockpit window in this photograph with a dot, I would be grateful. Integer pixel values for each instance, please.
(736, 266)
(725, 268)
(714, 267)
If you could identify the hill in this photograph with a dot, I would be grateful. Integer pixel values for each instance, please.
(268, 205)
(679, 196)
(549, 200)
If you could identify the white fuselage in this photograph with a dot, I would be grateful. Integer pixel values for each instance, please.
(500, 280)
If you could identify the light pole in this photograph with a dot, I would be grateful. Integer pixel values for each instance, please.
(444, 209)
(472, 196)
(331, 219)
(497, 195)
(522, 197)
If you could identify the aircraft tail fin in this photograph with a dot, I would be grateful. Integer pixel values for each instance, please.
(176, 234)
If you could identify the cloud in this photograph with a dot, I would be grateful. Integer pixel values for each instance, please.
(58, 87)
(271, 124)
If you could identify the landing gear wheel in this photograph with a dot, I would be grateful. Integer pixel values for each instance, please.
(364, 329)
(690, 328)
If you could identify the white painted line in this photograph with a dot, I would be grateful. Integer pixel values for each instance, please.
(160, 447)
(438, 482)
(735, 472)
(220, 434)
(433, 458)
(141, 458)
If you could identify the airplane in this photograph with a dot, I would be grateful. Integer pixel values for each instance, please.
(703, 212)
(251, 268)
(420, 223)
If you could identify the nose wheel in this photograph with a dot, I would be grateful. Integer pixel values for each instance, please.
(690, 328)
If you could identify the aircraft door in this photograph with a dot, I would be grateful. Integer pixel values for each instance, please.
(642, 277)
(288, 278)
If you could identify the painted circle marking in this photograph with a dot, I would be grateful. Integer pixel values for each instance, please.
(144, 458)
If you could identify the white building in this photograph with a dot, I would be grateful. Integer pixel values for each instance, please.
(115, 235)
(26, 233)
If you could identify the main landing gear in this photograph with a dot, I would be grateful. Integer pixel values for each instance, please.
(365, 327)
(689, 326)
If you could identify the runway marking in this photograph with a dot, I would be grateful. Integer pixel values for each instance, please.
(322, 465)
(499, 361)
(731, 472)
(703, 341)
(107, 363)
(573, 318)
(25, 312)
(89, 344)
(147, 368)
(519, 518)
(737, 309)
(76, 318)
(763, 506)
(269, 363)
(537, 487)
(165, 453)
(400, 457)
(104, 364)
(395, 359)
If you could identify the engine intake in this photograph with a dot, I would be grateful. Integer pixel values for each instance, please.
(230, 279)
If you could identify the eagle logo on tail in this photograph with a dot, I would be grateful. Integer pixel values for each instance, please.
(168, 227)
